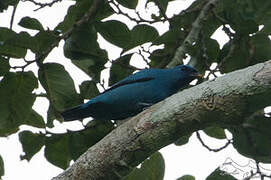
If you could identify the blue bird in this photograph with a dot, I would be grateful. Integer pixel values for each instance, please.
(133, 94)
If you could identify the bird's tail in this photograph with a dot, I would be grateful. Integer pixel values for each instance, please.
(75, 113)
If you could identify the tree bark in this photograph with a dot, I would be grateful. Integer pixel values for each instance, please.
(225, 101)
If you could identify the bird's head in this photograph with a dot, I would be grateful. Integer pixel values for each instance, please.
(188, 72)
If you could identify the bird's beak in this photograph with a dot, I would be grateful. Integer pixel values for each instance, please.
(197, 75)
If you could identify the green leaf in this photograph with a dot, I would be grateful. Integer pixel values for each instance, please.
(215, 132)
(183, 140)
(183, 20)
(210, 25)
(221, 175)
(197, 54)
(245, 16)
(159, 57)
(6, 34)
(262, 11)
(7, 49)
(2, 169)
(125, 38)
(141, 34)
(59, 86)
(61, 148)
(35, 119)
(170, 37)
(4, 66)
(92, 67)
(119, 69)
(261, 46)
(51, 116)
(14, 52)
(246, 27)
(43, 41)
(84, 51)
(207, 48)
(152, 168)
(264, 19)
(57, 150)
(186, 177)
(31, 142)
(107, 29)
(88, 90)
(20, 87)
(212, 49)
(16, 100)
(15, 44)
(31, 23)
(60, 90)
(253, 139)
(21, 40)
(266, 29)
(128, 3)
(8, 127)
(247, 51)
(77, 11)
(259, 122)
(5, 3)
(74, 13)
(105, 10)
(80, 141)
(238, 58)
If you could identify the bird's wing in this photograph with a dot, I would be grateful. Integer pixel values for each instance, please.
(141, 76)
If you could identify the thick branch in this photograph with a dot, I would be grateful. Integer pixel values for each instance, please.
(224, 101)
(193, 34)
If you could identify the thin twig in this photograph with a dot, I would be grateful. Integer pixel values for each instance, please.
(210, 149)
(41, 95)
(212, 72)
(42, 5)
(141, 51)
(13, 15)
(228, 32)
(258, 172)
(24, 66)
(203, 48)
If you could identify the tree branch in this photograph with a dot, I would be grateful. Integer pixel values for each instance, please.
(225, 101)
(42, 5)
(193, 34)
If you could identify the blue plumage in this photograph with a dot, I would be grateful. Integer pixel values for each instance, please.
(133, 94)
